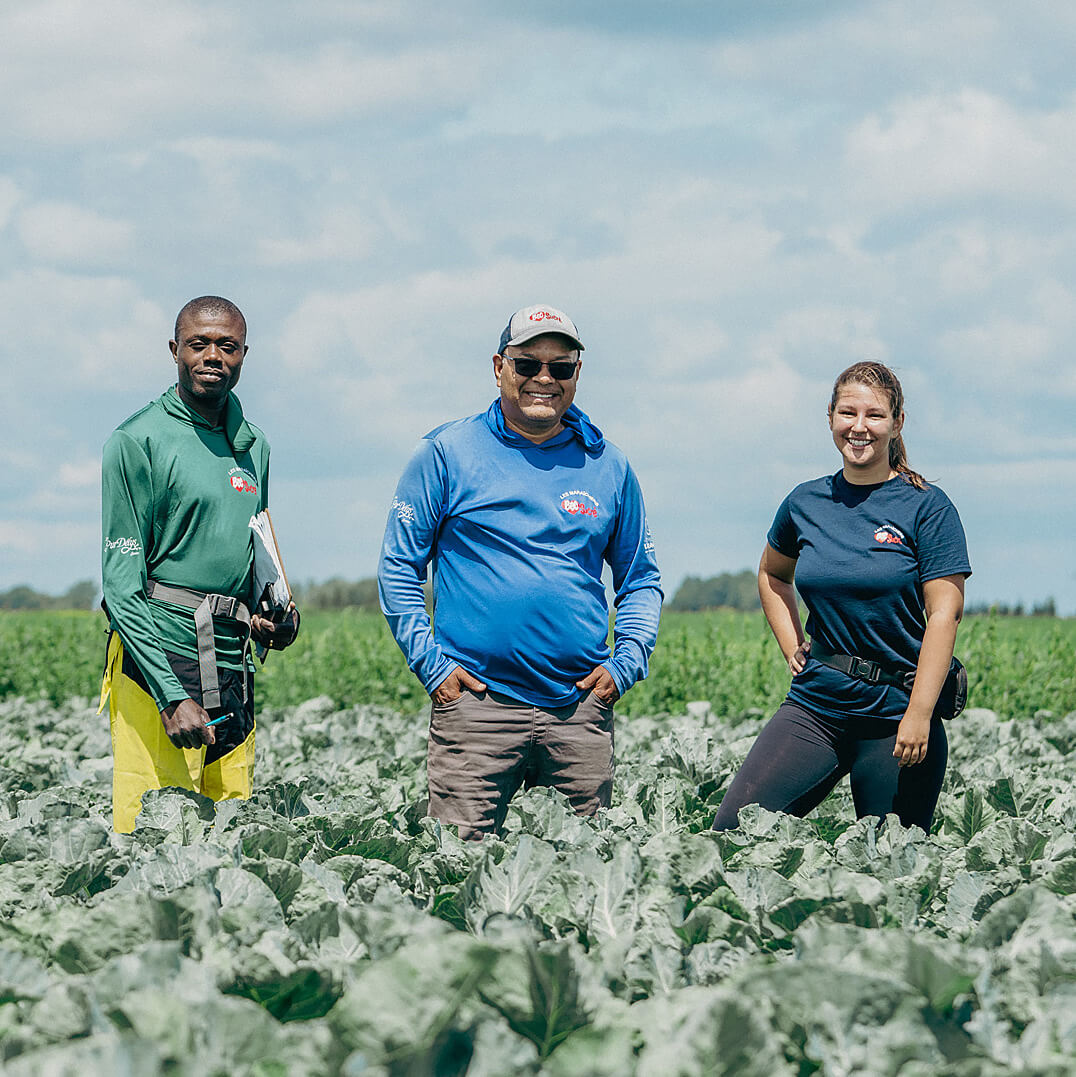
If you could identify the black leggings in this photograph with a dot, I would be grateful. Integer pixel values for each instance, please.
(799, 757)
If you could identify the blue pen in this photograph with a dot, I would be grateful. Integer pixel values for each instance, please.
(214, 721)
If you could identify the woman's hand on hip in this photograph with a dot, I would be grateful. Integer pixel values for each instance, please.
(797, 660)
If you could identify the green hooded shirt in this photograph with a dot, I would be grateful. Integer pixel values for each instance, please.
(177, 495)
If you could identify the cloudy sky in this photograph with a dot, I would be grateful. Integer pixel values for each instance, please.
(733, 200)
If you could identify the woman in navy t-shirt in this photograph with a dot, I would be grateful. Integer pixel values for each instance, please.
(879, 558)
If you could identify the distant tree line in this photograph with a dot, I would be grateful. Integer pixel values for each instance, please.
(341, 594)
(337, 594)
(729, 590)
(334, 594)
(83, 595)
(1002, 609)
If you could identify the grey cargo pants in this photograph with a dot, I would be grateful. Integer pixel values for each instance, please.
(484, 746)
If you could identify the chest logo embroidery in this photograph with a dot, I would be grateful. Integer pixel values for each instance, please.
(888, 534)
(579, 503)
(242, 481)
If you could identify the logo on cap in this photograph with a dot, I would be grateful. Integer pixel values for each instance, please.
(528, 323)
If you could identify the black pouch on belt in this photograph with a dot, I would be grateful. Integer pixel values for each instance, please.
(954, 694)
(951, 700)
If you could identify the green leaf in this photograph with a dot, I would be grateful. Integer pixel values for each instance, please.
(536, 989)
(1061, 878)
(509, 887)
(972, 814)
(967, 899)
(181, 815)
(126, 1056)
(402, 1008)
(21, 977)
(706, 1032)
(1002, 796)
(247, 906)
(590, 1051)
(298, 996)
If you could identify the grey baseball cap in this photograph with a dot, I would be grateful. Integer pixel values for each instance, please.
(531, 322)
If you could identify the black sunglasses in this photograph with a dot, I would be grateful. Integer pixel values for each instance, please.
(561, 369)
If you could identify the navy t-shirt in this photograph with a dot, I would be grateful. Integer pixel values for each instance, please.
(862, 555)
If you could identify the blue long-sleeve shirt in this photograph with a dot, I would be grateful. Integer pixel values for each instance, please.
(518, 534)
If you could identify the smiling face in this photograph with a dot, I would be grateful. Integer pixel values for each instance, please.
(863, 425)
(209, 355)
(533, 406)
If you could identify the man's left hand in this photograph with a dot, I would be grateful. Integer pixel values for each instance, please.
(275, 636)
(600, 681)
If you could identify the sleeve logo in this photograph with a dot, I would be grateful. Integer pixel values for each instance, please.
(404, 511)
(131, 547)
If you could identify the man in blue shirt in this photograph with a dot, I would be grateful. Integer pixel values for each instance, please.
(519, 508)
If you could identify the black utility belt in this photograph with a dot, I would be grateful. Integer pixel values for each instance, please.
(951, 700)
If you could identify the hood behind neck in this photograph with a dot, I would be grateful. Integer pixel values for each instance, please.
(236, 429)
(576, 424)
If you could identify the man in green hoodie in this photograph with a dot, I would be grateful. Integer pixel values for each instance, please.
(181, 479)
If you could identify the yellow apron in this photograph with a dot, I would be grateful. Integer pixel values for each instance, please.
(144, 758)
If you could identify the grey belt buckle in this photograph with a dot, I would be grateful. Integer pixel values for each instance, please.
(224, 606)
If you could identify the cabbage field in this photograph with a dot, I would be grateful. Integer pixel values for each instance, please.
(327, 927)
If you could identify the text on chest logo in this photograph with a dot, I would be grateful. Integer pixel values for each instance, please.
(579, 503)
(887, 533)
(242, 481)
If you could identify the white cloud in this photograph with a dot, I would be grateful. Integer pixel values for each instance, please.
(855, 55)
(685, 348)
(76, 72)
(344, 235)
(396, 331)
(80, 474)
(73, 72)
(1055, 303)
(99, 333)
(389, 362)
(226, 160)
(9, 197)
(61, 233)
(425, 314)
(970, 258)
(48, 542)
(1039, 479)
(959, 145)
(344, 80)
(821, 339)
(1000, 351)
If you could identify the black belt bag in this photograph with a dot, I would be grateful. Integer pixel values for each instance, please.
(951, 699)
